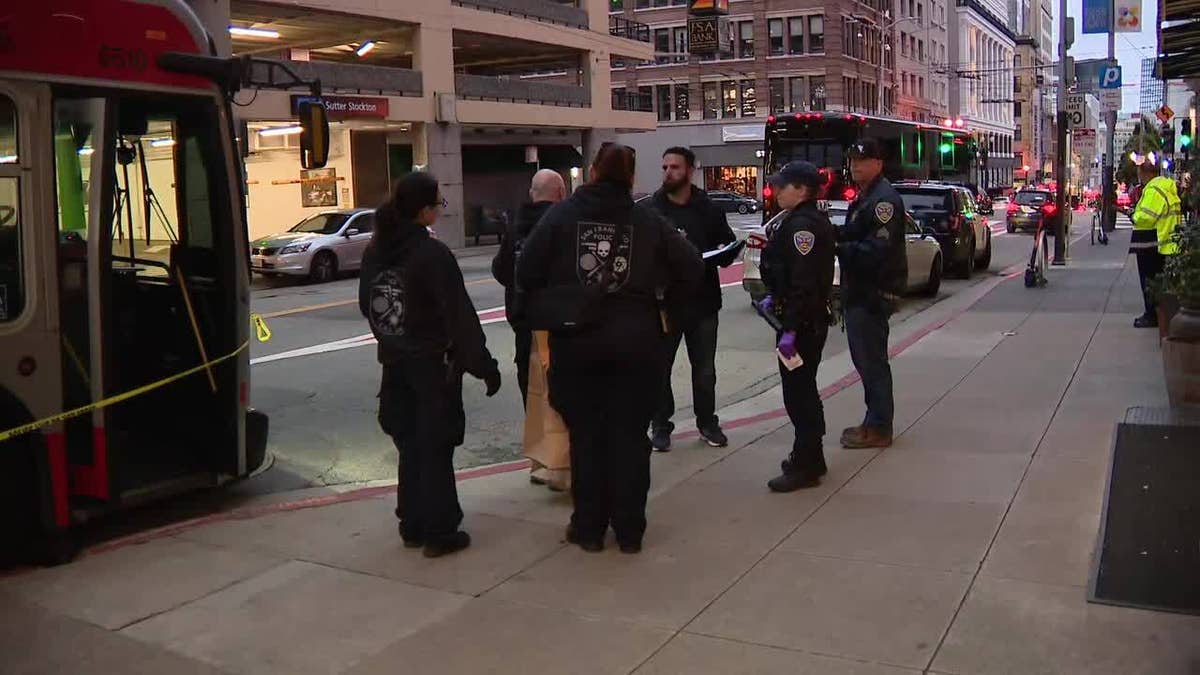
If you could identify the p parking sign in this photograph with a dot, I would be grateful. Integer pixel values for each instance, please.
(1110, 77)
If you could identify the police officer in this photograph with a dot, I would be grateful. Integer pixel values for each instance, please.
(591, 269)
(874, 271)
(411, 291)
(1157, 213)
(797, 267)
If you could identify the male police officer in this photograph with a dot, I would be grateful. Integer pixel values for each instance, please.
(874, 271)
(1157, 213)
(797, 267)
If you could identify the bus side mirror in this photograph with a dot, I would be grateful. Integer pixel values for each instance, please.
(314, 135)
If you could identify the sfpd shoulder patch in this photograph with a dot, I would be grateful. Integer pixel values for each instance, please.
(884, 211)
(804, 241)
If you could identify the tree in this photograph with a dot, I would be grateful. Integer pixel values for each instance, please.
(1145, 139)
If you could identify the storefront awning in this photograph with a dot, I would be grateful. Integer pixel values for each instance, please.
(1179, 40)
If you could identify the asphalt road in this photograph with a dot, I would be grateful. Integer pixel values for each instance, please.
(321, 397)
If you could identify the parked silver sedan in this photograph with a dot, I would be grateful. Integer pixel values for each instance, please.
(318, 247)
(924, 255)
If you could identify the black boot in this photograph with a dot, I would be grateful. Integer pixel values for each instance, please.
(795, 477)
(445, 545)
(591, 545)
(1146, 321)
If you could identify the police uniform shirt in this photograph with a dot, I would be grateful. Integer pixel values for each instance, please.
(798, 266)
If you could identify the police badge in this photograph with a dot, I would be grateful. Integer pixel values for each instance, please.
(804, 241)
(604, 251)
(884, 212)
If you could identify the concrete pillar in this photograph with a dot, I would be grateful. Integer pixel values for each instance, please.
(438, 151)
(592, 140)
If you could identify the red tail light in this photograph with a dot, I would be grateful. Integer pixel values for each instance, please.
(800, 117)
(1013, 208)
(770, 119)
(849, 118)
(768, 192)
(756, 242)
(849, 193)
(1049, 209)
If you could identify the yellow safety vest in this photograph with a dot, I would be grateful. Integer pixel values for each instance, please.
(1158, 211)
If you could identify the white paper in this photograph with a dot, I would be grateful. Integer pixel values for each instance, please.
(723, 249)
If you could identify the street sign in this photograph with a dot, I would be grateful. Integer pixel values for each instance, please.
(1110, 100)
(1083, 142)
(1110, 77)
(1165, 113)
(1075, 108)
(1097, 16)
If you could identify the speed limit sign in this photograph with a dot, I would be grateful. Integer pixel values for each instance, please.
(1075, 109)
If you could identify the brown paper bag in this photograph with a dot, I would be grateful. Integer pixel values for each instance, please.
(546, 440)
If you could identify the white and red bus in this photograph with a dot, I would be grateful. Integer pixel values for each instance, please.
(914, 151)
(115, 124)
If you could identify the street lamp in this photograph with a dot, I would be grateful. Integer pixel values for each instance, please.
(884, 47)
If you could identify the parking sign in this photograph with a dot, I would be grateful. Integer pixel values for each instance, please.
(1110, 77)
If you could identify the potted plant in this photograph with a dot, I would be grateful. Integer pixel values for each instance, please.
(1180, 281)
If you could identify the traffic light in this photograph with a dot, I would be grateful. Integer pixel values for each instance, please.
(1168, 139)
(1185, 136)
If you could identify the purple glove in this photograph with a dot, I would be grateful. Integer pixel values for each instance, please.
(787, 345)
(767, 304)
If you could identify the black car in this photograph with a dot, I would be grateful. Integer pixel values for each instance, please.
(949, 213)
(983, 200)
(1030, 209)
(732, 202)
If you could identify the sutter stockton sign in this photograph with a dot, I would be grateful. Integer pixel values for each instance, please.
(345, 107)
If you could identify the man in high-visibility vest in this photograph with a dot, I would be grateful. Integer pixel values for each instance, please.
(1155, 217)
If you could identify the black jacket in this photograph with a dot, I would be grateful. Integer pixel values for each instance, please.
(871, 247)
(504, 264)
(599, 239)
(705, 225)
(797, 267)
(411, 291)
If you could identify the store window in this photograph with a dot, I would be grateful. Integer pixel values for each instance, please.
(742, 180)
(797, 101)
(12, 254)
(775, 36)
(749, 99)
(775, 91)
(816, 34)
(816, 92)
(796, 35)
(745, 39)
(682, 102)
(663, 102)
(729, 98)
(712, 100)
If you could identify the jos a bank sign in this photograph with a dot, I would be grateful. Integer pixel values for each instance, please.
(346, 107)
(705, 25)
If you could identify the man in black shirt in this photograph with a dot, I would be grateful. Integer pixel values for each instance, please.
(688, 209)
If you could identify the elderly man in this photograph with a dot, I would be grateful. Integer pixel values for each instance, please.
(546, 190)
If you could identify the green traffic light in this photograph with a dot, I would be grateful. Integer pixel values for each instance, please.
(1184, 140)
(945, 147)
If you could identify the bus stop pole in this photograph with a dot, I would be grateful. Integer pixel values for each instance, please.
(1108, 221)
(1060, 164)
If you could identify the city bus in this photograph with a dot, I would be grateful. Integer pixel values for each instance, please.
(915, 151)
(124, 367)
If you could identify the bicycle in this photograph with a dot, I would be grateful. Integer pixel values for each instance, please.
(1098, 227)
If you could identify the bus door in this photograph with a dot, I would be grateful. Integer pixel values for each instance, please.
(146, 239)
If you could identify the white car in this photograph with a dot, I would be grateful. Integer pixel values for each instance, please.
(318, 247)
(924, 256)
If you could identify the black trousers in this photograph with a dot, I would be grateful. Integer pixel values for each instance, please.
(421, 408)
(803, 402)
(1150, 264)
(701, 339)
(523, 343)
(606, 412)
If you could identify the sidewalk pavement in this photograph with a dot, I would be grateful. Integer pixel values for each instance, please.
(964, 548)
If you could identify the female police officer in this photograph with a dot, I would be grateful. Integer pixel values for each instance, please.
(411, 291)
(797, 267)
(591, 269)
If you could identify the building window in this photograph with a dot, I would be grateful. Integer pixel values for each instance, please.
(775, 92)
(921, 87)
(816, 34)
(642, 4)
(712, 100)
(796, 35)
(904, 84)
(920, 14)
(904, 44)
(1016, 108)
(729, 96)
(749, 99)
(775, 36)
(646, 98)
(682, 110)
(816, 93)
(662, 44)
(921, 51)
(745, 39)
(616, 5)
(660, 3)
(681, 43)
(663, 102)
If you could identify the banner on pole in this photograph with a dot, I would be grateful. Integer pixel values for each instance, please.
(1097, 17)
(1129, 16)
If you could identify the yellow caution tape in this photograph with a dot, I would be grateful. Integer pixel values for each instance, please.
(261, 330)
(119, 398)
